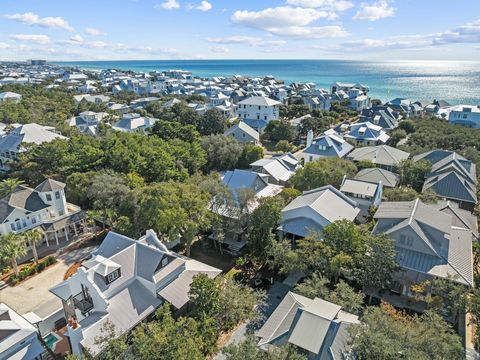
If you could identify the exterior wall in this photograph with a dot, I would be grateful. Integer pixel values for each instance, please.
(242, 136)
(465, 118)
(255, 112)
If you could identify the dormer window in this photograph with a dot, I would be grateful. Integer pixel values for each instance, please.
(114, 275)
(57, 195)
(49, 197)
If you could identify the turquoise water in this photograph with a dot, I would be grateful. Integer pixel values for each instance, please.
(456, 82)
(51, 340)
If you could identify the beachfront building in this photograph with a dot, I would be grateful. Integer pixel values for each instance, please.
(44, 207)
(465, 115)
(15, 141)
(122, 283)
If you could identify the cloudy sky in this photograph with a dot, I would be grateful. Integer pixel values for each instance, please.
(240, 29)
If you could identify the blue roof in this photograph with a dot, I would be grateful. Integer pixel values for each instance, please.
(256, 124)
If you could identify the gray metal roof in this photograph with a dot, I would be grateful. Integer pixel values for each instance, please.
(245, 128)
(259, 101)
(388, 178)
(23, 198)
(50, 185)
(379, 155)
(360, 187)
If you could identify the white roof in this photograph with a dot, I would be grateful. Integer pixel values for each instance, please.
(259, 101)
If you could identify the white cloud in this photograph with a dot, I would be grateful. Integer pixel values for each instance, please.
(77, 40)
(332, 5)
(33, 19)
(289, 21)
(375, 11)
(219, 49)
(467, 33)
(204, 6)
(169, 5)
(93, 31)
(247, 40)
(39, 39)
(4, 46)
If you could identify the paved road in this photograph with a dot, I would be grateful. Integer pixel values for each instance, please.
(33, 294)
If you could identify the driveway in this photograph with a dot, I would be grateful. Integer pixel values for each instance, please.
(33, 294)
(275, 296)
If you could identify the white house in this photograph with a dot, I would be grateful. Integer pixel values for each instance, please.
(87, 122)
(96, 99)
(45, 207)
(18, 336)
(366, 194)
(133, 123)
(243, 133)
(315, 209)
(10, 96)
(259, 108)
(14, 142)
(466, 115)
(123, 282)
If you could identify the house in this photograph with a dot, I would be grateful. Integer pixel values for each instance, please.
(259, 108)
(382, 116)
(340, 86)
(329, 144)
(122, 283)
(315, 209)
(118, 108)
(95, 99)
(465, 115)
(387, 178)
(243, 133)
(44, 207)
(365, 133)
(237, 180)
(452, 177)
(16, 140)
(69, 77)
(356, 94)
(133, 122)
(10, 96)
(366, 194)
(18, 336)
(279, 168)
(87, 121)
(318, 327)
(429, 242)
(382, 156)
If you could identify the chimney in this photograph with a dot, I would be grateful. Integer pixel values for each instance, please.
(309, 138)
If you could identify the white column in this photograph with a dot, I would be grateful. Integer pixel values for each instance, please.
(66, 232)
(46, 238)
(56, 237)
(75, 229)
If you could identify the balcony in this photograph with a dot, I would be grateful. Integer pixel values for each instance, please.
(83, 304)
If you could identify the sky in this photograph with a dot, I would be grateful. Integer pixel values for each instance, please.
(74, 30)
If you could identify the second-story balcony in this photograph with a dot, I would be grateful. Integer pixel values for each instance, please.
(83, 304)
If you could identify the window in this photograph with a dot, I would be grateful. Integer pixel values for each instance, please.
(259, 108)
(265, 117)
(113, 276)
(49, 197)
(34, 220)
(61, 213)
(24, 223)
(243, 134)
(164, 261)
(12, 226)
(57, 195)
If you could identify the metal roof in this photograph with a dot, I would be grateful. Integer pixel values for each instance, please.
(388, 178)
(379, 155)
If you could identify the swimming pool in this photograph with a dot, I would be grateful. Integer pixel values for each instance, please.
(51, 339)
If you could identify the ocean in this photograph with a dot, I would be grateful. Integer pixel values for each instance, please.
(457, 82)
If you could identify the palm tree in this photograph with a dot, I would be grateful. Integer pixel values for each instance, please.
(32, 237)
(7, 186)
(11, 247)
